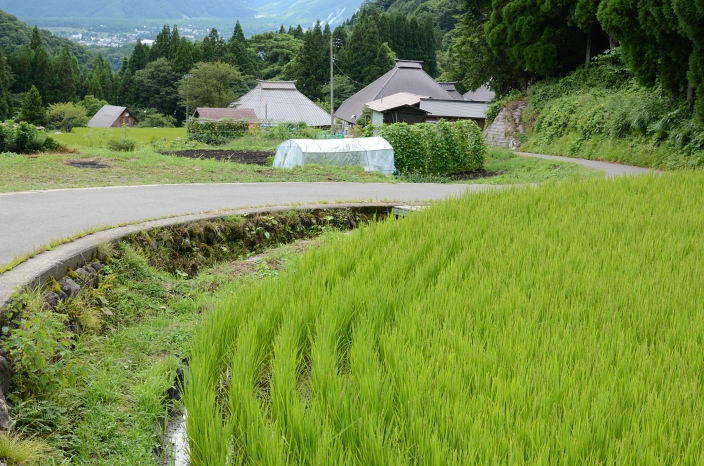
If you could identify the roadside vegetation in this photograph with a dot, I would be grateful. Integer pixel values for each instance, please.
(604, 113)
(146, 166)
(90, 376)
(553, 335)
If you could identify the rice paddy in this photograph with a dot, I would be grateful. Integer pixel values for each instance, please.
(561, 324)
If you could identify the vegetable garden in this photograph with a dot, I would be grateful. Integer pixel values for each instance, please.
(434, 149)
(554, 325)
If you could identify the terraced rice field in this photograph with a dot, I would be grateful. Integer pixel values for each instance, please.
(562, 324)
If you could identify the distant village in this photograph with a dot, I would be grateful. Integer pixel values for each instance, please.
(100, 37)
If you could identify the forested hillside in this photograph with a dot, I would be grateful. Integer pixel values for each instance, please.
(644, 102)
(14, 33)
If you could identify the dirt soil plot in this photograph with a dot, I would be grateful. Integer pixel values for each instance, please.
(238, 156)
(475, 175)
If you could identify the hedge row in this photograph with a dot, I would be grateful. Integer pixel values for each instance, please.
(435, 149)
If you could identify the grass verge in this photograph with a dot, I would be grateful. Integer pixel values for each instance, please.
(52, 171)
(554, 325)
(638, 152)
(99, 402)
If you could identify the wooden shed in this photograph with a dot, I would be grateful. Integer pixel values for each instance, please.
(112, 116)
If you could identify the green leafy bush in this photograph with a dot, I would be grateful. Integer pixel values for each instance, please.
(157, 120)
(123, 143)
(38, 348)
(290, 130)
(434, 149)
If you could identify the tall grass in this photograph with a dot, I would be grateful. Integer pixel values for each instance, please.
(555, 325)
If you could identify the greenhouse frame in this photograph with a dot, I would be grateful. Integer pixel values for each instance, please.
(374, 154)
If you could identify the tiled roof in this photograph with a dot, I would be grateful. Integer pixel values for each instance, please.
(280, 101)
(220, 113)
(406, 76)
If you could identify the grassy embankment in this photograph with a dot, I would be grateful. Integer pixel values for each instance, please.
(503, 327)
(98, 403)
(148, 166)
(604, 114)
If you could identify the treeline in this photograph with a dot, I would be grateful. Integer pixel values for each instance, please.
(170, 74)
(511, 44)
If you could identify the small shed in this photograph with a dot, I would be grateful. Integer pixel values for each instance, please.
(112, 116)
(217, 114)
(374, 154)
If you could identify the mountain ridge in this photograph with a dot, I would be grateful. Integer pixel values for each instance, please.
(264, 13)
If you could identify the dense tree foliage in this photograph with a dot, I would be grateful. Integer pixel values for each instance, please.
(510, 44)
(157, 86)
(212, 85)
(67, 115)
(5, 100)
(32, 110)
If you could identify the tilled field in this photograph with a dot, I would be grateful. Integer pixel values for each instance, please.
(237, 156)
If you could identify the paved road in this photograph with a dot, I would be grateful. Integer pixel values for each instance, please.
(610, 169)
(31, 219)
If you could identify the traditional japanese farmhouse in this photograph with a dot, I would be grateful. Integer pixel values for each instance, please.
(281, 102)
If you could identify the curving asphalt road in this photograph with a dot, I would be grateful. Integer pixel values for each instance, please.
(35, 218)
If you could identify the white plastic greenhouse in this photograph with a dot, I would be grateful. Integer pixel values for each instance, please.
(374, 154)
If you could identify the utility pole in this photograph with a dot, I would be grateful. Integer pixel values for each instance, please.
(188, 93)
(332, 94)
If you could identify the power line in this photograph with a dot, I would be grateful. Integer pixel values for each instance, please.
(343, 73)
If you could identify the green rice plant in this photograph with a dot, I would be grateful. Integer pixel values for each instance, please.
(551, 325)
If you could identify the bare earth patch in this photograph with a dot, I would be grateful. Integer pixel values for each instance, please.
(238, 156)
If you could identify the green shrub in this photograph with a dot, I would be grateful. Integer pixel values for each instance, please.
(434, 149)
(53, 145)
(290, 130)
(27, 139)
(38, 348)
(123, 143)
(157, 120)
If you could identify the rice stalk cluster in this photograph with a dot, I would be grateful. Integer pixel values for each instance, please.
(553, 325)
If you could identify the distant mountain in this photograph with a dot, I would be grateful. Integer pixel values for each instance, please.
(126, 9)
(257, 14)
(14, 33)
